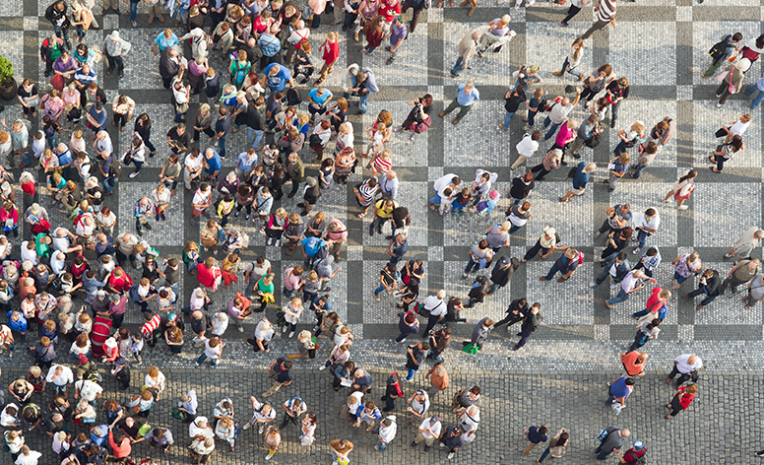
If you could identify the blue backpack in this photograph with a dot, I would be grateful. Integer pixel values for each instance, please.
(313, 245)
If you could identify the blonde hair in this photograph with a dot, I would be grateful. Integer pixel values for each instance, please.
(638, 127)
(205, 108)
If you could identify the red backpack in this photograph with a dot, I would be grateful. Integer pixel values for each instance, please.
(393, 381)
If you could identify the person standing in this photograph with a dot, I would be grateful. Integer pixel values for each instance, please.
(587, 132)
(436, 307)
(605, 10)
(743, 272)
(530, 325)
(744, 246)
(452, 437)
(709, 284)
(723, 51)
(428, 431)
(758, 86)
(467, 50)
(611, 442)
(526, 148)
(331, 53)
(388, 428)
(480, 333)
(682, 399)
(619, 217)
(686, 266)
(340, 449)
(114, 49)
(755, 292)
(687, 365)
(414, 357)
(517, 311)
(438, 377)
(733, 80)
(467, 95)
(558, 114)
(513, 99)
(647, 155)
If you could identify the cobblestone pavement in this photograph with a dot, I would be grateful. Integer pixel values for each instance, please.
(559, 377)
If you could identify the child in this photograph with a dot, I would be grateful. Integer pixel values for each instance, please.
(446, 200)
(310, 287)
(485, 207)
(381, 163)
(229, 268)
(304, 65)
(376, 135)
(461, 201)
(137, 347)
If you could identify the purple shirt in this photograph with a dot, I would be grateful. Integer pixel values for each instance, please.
(398, 33)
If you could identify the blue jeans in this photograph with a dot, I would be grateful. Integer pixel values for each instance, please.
(458, 66)
(507, 119)
(203, 357)
(61, 32)
(614, 112)
(620, 148)
(641, 238)
(288, 293)
(258, 137)
(370, 49)
(381, 446)
(621, 297)
(470, 265)
(514, 228)
(679, 278)
(59, 389)
(410, 376)
(362, 105)
(133, 11)
(52, 142)
(221, 147)
(436, 199)
(138, 164)
(108, 184)
(751, 89)
(531, 116)
(638, 171)
(25, 158)
(544, 455)
(552, 130)
(553, 271)
(572, 71)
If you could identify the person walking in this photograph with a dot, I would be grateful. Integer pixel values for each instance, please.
(743, 247)
(566, 265)
(709, 284)
(743, 272)
(732, 82)
(755, 292)
(551, 161)
(686, 365)
(753, 88)
(723, 51)
(452, 437)
(280, 372)
(512, 101)
(655, 306)
(558, 113)
(724, 152)
(634, 363)
(616, 266)
(526, 148)
(575, 7)
(588, 132)
(645, 331)
(573, 59)
(530, 325)
(686, 266)
(682, 189)
(466, 96)
(467, 50)
(558, 445)
(605, 10)
(611, 441)
(517, 311)
(581, 178)
(681, 400)
(536, 435)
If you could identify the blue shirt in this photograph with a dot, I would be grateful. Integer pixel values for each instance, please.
(279, 81)
(319, 100)
(269, 45)
(100, 118)
(243, 163)
(619, 388)
(566, 264)
(163, 42)
(534, 436)
(760, 84)
(466, 100)
(581, 179)
(64, 158)
(652, 263)
(214, 163)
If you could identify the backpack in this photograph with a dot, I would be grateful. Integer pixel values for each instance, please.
(639, 460)
(116, 169)
(393, 381)
(603, 435)
(718, 49)
(293, 97)
(315, 140)
(593, 141)
(313, 246)
(580, 258)
(751, 54)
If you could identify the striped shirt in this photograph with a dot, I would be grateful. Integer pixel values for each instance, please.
(651, 263)
(383, 165)
(606, 10)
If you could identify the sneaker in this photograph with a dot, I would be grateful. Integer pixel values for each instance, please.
(284, 329)
(241, 330)
(278, 242)
(597, 234)
(450, 455)
(682, 207)
(637, 250)
(270, 240)
(593, 284)
(246, 427)
(134, 23)
(268, 457)
(322, 368)
(132, 175)
(261, 429)
(376, 447)
(527, 128)
(377, 298)
(613, 286)
(236, 215)
(440, 444)
(291, 334)
(247, 217)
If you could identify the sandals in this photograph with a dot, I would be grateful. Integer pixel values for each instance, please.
(361, 215)
(563, 200)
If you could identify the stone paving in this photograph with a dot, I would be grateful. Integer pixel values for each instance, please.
(559, 377)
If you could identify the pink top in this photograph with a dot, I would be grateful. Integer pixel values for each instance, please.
(291, 282)
(565, 135)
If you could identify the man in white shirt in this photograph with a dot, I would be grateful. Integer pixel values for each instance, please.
(61, 377)
(27, 457)
(440, 185)
(559, 113)
(688, 365)
(88, 390)
(437, 308)
(264, 414)
(630, 283)
(299, 34)
(387, 431)
(193, 167)
(427, 432)
(38, 144)
(646, 225)
(526, 148)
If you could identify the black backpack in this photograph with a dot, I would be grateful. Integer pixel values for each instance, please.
(717, 51)
(293, 97)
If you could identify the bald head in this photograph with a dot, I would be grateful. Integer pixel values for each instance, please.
(692, 360)
(642, 358)
(625, 433)
(390, 175)
(475, 35)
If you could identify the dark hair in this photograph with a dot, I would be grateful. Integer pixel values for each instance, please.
(543, 429)
(522, 302)
(622, 256)
(483, 244)
(690, 174)
(737, 140)
(628, 382)
(427, 100)
(475, 390)
(737, 37)
(652, 251)
(760, 41)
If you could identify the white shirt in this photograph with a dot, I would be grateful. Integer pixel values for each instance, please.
(88, 389)
(739, 127)
(443, 182)
(194, 430)
(259, 415)
(387, 434)
(640, 219)
(66, 376)
(27, 254)
(30, 459)
(559, 113)
(434, 428)
(435, 306)
(354, 408)
(261, 333)
(9, 420)
(629, 281)
(212, 352)
(38, 147)
(159, 383)
(192, 164)
(684, 367)
(527, 147)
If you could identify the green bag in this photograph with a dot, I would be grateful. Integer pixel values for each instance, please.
(178, 413)
(471, 349)
(145, 428)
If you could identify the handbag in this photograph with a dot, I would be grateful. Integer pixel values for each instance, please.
(720, 133)
(470, 349)
(178, 414)
(57, 82)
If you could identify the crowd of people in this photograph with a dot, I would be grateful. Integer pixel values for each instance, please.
(267, 48)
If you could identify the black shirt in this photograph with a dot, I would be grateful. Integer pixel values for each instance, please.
(513, 103)
(519, 189)
(617, 91)
(137, 423)
(181, 141)
(284, 376)
(255, 118)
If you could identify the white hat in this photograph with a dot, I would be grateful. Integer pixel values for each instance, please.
(114, 35)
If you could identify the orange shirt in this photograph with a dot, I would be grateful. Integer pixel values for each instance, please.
(630, 363)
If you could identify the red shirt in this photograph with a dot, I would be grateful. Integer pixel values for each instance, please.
(121, 284)
(207, 276)
(374, 38)
(331, 52)
(390, 11)
(632, 455)
(686, 399)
